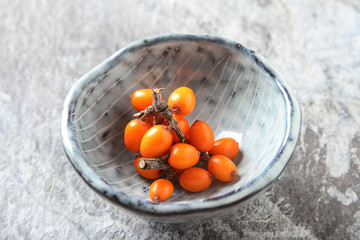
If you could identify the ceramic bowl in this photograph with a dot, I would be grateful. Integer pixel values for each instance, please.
(239, 94)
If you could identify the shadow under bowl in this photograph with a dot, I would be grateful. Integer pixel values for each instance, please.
(239, 94)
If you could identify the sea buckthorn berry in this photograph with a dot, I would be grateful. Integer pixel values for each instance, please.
(183, 125)
(195, 179)
(227, 147)
(182, 100)
(183, 156)
(201, 136)
(156, 141)
(133, 134)
(222, 168)
(141, 99)
(149, 174)
(160, 190)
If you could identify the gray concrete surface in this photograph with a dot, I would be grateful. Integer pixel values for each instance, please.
(46, 45)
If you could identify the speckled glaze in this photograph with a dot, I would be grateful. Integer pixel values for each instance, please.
(238, 93)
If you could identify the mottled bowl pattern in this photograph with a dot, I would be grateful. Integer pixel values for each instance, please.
(238, 93)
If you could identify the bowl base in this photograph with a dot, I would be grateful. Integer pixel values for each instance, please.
(181, 227)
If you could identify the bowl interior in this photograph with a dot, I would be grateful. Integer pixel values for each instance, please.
(235, 96)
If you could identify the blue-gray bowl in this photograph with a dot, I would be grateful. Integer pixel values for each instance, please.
(239, 94)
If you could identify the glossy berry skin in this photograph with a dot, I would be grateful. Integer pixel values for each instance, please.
(201, 136)
(183, 125)
(227, 147)
(160, 190)
(195, 179)
(141, 99)
(149, 174)
(183, 156)
(156, 141)
(134, 132)
(222, 168)
(183, 100)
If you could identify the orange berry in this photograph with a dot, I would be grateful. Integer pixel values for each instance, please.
(141, 99)
(183, 100)
(183, 156)
(201, 136)
(195, 179)
(149, 174)
(156, 141)
(222, 168)
(160, 190)
(133, 134)
(227, 147)
(183, 125)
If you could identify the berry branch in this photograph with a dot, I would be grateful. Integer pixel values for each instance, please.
(159, 163)
(154, 163)
(160, 108)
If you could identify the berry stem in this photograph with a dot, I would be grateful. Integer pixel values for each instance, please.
(204, 156)
(154, 163)
(160, 107)
(203, 160)
(159, 163)
(171, 175)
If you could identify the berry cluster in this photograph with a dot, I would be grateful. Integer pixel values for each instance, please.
(173, 150)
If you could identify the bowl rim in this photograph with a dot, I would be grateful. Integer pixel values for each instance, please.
(163, 209)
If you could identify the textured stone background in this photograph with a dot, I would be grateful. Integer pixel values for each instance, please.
(46, 45)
